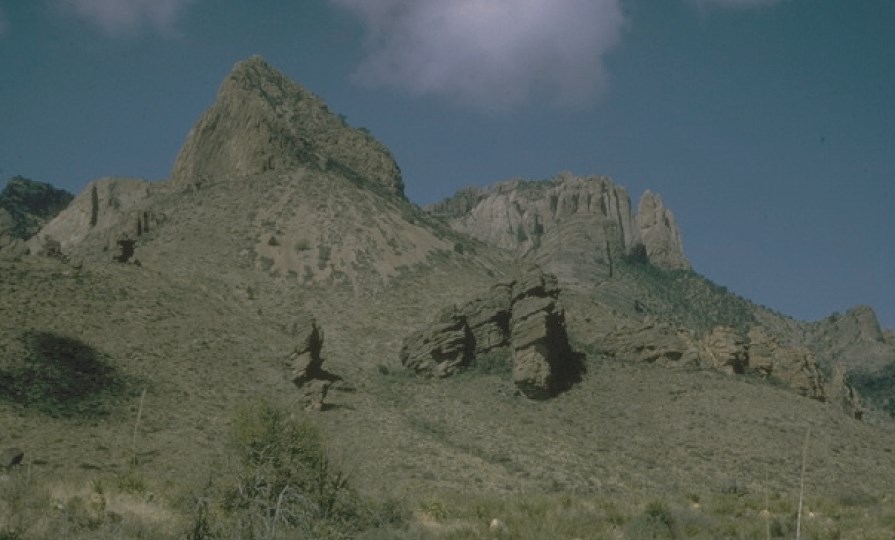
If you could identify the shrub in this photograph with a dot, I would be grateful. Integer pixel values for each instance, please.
(282, 483)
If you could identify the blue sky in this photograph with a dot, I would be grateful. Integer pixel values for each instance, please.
(768, 126)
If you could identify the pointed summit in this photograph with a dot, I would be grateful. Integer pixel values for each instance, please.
(262, 121)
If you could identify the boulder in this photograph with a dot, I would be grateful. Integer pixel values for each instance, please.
(313, 394)
(762, 349)
(306, 364)
(542, 356)
(441, 349)
(523, 314)
(725, 349)
(654, 342)
(488, 318)
(575, 227)
(841, 393)
(795, 366)
(305, 360)
(263, 121)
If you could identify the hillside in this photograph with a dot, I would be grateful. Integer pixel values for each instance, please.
(198, 290)
(25, 207)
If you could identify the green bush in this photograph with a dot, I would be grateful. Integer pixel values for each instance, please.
(282, 483)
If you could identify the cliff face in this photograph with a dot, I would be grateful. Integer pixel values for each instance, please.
(659, 233)
(107, 208)
(567, 224)
(261, 121)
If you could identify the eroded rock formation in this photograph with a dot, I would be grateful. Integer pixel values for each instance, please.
(569, 225)
(442, 348)
(726, 350)
(654, 342)
(106, 210)
(659, 233)
(306, 363)
(523, 314)
(262, 121)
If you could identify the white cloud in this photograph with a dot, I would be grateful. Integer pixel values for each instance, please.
(491, 54)
(125, 17)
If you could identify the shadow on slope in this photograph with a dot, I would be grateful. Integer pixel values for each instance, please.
(61, 377)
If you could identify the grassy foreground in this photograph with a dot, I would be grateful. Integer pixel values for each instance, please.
(278, 483)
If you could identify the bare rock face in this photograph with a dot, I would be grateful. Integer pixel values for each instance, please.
(659, 233)
(262, 121)
(306, 360)
(543, 362)
(306, 363)
(441, 349)
(654, 342)
(726, 350)
(107, 209)
(570, 225)
(798, 367)
(488, 318)
(841, 393)
(795, 366)
(523, 314)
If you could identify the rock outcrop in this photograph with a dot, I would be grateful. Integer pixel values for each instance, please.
(855, 342)
(574, 227)
(654, 342)
(107, 210)
(262, 121)
(659, 233)
(523, 314)
(543, 361)
(841, 392)
(441, 349)
(726, 350)
(854, 339)
(306, 363)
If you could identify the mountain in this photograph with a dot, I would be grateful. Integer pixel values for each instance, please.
(575, 227)
(537, 342)
(26, 205)
(261, 121)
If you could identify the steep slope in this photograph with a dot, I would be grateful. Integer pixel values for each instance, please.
(261, 121)
(575, 227)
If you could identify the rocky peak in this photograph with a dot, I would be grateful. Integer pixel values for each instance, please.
(659, 233)
(566, 224)
(25, 205)
(262, 121)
